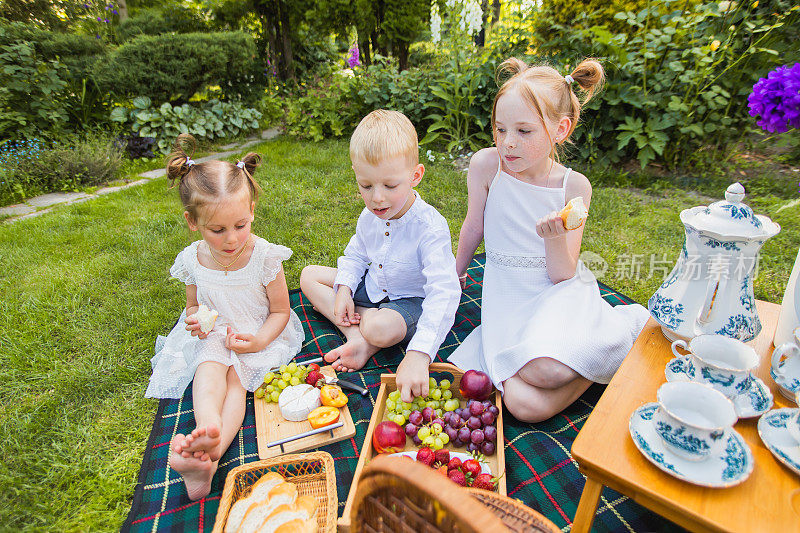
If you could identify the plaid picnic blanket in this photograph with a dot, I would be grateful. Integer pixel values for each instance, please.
(540, 470)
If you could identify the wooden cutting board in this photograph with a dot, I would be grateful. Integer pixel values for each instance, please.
(271, 426)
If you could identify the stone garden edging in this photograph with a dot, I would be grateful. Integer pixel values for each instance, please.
(39, 205)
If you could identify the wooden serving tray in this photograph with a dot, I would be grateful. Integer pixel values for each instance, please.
(271, 426)
(495, 462)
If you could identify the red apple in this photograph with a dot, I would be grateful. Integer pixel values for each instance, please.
(389, 437)
(475, 385)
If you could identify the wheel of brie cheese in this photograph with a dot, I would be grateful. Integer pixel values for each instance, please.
(297, 401)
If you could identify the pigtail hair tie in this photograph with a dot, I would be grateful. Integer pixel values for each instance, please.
(189, 162)
(240, 164)
(569, 79)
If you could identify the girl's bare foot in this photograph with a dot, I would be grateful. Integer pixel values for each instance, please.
(196, 473)
(350, 356)
(204, 439)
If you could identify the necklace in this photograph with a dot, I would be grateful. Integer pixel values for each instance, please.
(226, 267)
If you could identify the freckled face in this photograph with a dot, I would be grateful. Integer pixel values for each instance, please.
(521, 136)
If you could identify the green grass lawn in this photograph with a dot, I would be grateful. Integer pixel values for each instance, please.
(85, 289)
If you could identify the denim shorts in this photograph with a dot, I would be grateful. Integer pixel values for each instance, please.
(409, 308)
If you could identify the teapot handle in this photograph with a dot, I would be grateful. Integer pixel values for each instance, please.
(706, 315)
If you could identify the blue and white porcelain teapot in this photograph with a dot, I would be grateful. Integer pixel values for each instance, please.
(710, 290)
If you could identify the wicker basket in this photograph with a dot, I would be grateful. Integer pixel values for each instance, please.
(313, 473)
(515, 516)
(397, 495)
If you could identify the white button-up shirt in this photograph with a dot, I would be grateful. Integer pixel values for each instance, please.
(407, 257)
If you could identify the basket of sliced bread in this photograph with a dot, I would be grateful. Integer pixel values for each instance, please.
(288, 494)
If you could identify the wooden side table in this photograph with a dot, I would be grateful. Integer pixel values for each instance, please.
(769, 500)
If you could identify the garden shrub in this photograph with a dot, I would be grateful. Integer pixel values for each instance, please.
(212, 120)
(176, 19)
(29, 91)
(676, 82)
(82, 100)
(173, 67)
(34, 167)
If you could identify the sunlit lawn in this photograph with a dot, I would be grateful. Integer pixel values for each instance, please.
(85, 289)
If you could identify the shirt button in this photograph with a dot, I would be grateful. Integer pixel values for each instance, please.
(384, 290)
(387, 233)
(380, 266)
(387, 223)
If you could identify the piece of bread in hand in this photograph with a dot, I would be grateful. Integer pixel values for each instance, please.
(206, 317)
(574, 213)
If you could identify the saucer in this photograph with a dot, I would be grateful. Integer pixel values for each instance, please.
(732, 466)
(773, 433)
(755, 402)
(785, 385)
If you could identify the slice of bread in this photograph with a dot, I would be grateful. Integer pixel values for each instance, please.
(259, 492)
(265, 484)
(297, 526)
(206, 317)
(574, 213)
(282, 495)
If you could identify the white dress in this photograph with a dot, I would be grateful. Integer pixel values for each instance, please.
(240, 298)
(525, 316)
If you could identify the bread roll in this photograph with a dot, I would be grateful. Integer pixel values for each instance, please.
(574, 213)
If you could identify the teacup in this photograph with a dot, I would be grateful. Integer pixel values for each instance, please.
(692, 418)
(725, 363)
(786, 366)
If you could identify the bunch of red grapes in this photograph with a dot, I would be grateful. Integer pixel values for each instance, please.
(474, 427)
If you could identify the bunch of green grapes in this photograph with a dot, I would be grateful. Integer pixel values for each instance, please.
(275, 382)
(439, 399)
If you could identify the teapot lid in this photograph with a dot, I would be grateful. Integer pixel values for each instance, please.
(730, 217)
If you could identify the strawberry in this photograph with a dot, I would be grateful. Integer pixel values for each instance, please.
(425, 456)
(313, 366)
(471, 467)
(484, 481)
(458, 477)
(442, 456)
(315, 378)
(454, 464)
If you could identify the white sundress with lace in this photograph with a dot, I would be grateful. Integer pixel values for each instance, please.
(523, 314)
(241, 299)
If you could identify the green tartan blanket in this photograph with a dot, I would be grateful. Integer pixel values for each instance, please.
(540, 470)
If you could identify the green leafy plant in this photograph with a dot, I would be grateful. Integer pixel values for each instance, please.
(34, 166)
(212, 120)
(173, 67)
(29, 92)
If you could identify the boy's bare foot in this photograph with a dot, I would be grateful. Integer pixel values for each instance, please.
(205, 439)
(350, 356)
(197, 474)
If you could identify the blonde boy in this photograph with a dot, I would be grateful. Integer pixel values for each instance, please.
(396, 281)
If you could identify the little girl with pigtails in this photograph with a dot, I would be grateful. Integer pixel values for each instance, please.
(546, 333)
(240, 277)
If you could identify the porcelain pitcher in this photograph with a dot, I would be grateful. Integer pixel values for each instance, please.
(710, 289)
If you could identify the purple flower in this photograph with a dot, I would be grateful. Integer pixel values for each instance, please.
(776, 99)
(106, 21)
(353, 61)
(114, 11)
(86, 6)
(99, 19)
